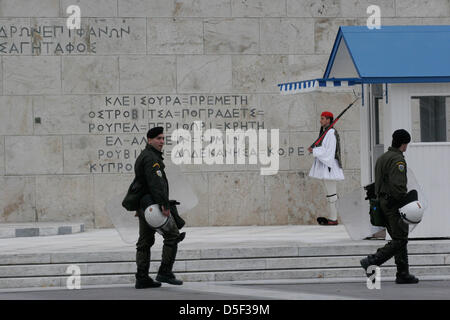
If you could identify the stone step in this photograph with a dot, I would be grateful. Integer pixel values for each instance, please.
(302, 261)
(324, 273)
(39, 229)
(331, 273)
(59, 269)
(342, 249)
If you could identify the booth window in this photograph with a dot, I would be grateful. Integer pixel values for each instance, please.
(430, 118)
(377, 91)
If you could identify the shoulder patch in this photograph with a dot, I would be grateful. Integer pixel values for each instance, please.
(401, 166)
(156, 164)
(158, 172)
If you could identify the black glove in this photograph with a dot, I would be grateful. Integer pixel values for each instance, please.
(174, 211)
(409, 197)
(370, 191)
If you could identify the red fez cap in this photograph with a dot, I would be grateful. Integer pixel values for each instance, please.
(327, 114)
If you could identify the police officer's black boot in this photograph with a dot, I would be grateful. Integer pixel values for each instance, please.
(165, 273)
(144, 283)
(143, 265)
(403, 276)
(383, 254)
(368, 261)
(167, 276)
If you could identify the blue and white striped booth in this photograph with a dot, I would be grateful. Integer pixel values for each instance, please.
(405, 71)
(316, 85)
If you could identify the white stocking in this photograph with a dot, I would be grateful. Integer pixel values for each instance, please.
(330, 187)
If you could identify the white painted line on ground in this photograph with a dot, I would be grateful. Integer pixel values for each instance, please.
(212, 287)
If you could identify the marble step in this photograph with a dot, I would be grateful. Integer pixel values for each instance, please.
(59, 269)
(331, 273)
(39, 229)
(346, 249)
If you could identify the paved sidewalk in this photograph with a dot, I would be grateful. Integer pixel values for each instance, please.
(261, 290)
(196, 238)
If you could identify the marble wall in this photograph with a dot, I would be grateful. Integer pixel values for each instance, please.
(75, 105)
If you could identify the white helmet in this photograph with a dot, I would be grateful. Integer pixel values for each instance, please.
(155, 217)
(412, 212)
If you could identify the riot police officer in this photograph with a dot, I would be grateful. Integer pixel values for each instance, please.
(390, 187)
(149, 168)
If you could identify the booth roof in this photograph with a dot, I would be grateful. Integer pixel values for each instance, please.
(391, 54)
(397, 51)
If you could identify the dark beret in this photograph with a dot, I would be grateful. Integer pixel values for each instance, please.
(400, 137)
(154, 132)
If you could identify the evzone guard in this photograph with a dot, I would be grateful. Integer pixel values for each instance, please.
(327, 164)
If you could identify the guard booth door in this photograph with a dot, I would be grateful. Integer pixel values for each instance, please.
(375, 125)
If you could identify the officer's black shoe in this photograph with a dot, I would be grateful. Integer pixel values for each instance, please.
(326, 222)
(366, 263)
(405, 278)
(146, 283)
(168, 278)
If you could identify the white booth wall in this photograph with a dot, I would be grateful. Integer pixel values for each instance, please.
(430, 161)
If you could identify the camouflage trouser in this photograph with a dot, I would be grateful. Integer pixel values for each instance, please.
(146, 240)
(397, 248)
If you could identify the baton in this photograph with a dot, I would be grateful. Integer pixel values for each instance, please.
(319, 139)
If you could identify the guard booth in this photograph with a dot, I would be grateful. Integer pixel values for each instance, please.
(403, 75)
